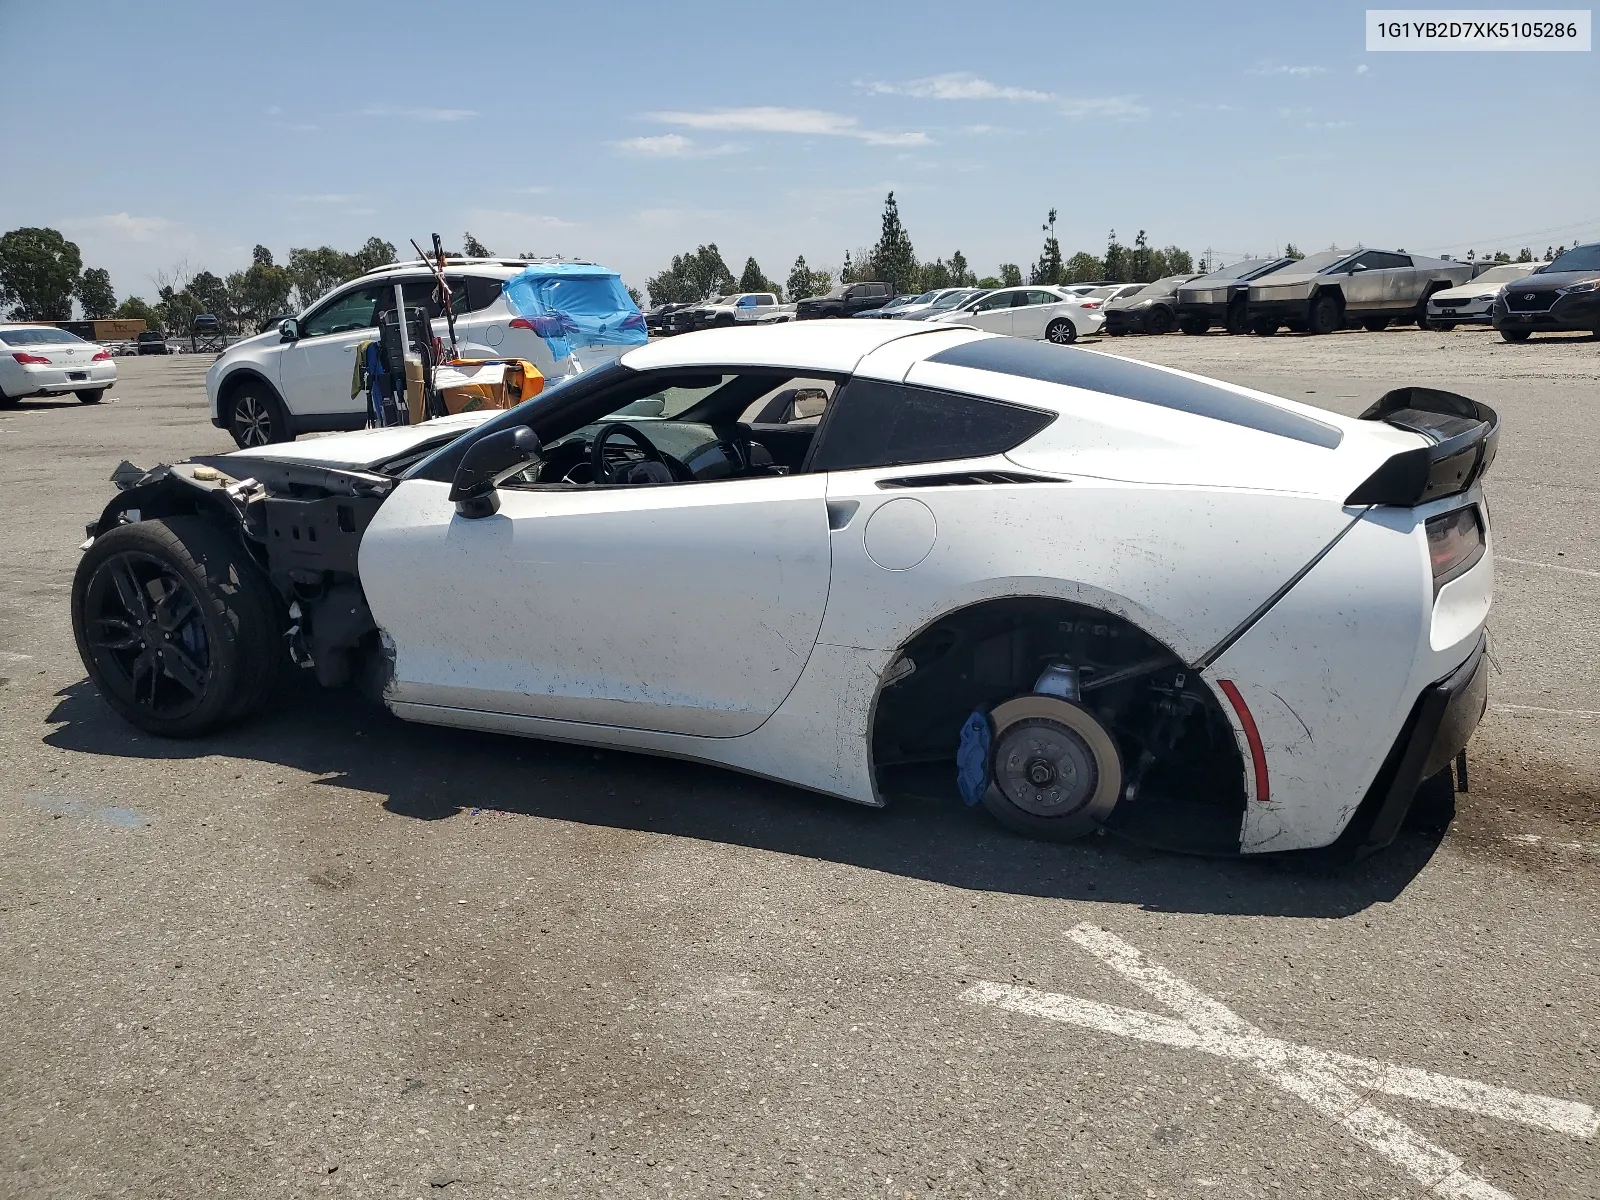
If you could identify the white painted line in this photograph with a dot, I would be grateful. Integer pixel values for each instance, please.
(1332, 1084)
(1528, 562)
(1534, 839)
(1586, 713)
(7, 656)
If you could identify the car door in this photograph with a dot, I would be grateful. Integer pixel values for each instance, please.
(686, 608)
(993, 312)
(1376, 281)
(1031, 311)
(315, 370)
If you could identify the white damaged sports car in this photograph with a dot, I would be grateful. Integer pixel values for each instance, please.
(855, 556)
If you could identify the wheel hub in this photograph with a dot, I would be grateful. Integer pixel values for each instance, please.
(1044, 768)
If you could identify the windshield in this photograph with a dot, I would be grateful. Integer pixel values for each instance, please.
(37, 336)
(1320, 261)
(1100, 293)
(1501, 274)
(951, 299)
(1579, 258)
(1161, 287)
(669, 402)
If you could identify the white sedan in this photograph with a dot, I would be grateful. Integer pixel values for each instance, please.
(1471, 303)
(1052, 314)
(41, 360)
(1079, 590)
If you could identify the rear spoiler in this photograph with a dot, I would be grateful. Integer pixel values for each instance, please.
(1463, 437)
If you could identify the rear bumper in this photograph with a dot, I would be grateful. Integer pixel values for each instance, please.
(1440, 724)
(55, 381)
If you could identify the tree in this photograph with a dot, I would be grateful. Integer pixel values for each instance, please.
(471, 247)
(933, 275)
(1293, 251)
(893, 260)
(960, 274)
(210, 294)
(1116, 260)
(1500, 256)
(1083, 267)
(1524, 255)
(991, 281)
(374, 253)
(134, 308)
(752, 280)
(96, 294)
(261, 291)
(638, 300)
(1049, 267)
(1010, 275)
(39, 272)
(692, 278)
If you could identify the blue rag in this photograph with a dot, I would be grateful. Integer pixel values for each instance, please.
(972, 760)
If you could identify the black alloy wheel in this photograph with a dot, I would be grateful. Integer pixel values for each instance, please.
(91, 395)
(1158, 321)
(1516, 335)
(1061, 332)
(178, 628)
(1379, 324)
(1238, 318)
(1263, 326)
(1194, 326)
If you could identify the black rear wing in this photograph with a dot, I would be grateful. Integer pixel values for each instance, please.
(1463, 437)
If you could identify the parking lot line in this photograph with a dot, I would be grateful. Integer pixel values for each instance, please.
(1588, 713)
(1528, 562)
(1333, 1084)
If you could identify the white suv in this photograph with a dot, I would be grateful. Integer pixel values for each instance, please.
(298, 378)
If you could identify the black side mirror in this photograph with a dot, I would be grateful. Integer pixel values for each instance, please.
(486, 462)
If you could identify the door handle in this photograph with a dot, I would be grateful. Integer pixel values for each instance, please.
(349, 349)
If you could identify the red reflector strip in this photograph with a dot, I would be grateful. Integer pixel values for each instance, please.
(1252, 735)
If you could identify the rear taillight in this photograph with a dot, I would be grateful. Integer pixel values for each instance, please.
(1455, 544)
(31, 360)
(102, 356)
(1090, 304)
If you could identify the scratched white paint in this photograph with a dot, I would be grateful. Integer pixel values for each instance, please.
(1334, 1085)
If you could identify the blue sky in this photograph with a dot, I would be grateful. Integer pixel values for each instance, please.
(626, 133)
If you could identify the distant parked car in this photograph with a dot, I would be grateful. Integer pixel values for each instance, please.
(152, 341)
(846, 300)
(1219, 298)
(657, 321)
(943, 299)
(1470, 303)
(741, 308)
(41, 360)
(1327, 291)
(895, 307)
(1151, 309)
(1560, 296)
(1049, 313)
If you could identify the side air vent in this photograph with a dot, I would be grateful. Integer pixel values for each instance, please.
(965, 479)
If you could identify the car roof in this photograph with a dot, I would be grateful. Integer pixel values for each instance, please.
(490, 266)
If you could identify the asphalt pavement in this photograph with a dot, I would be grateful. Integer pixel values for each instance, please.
(332, 953)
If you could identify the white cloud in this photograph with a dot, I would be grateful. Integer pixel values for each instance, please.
(325, 198)
(1361, 69)
(121, 226)
(955, 85)
(671, 145)
(509, 220)
(1329, 124)
(768, 119)
(419, 114)
(1297, 72)
(1119, 107)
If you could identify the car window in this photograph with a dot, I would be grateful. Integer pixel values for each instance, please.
(766, 298)
(1036, 296)
(1381, 260)
(478, 292)
(40, 336)
(355, 309)
(794, 402)
(877, 424)
(1579, 258)
(995, 300)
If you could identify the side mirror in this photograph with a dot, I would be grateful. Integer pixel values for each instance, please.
(487, 461)
(289, 330)
(1354, 267)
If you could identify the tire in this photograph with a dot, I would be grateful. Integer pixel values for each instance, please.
(1516, 335)
(1442, 326)
(222, 651)
(1238, 320)
(1158, 321)
(9, 401)
(1061, 332)
(256, 416)
(91, 395)
(1263, 326)
(1325, 315)
(1376, 324)
(724, 320)
(1194, 326)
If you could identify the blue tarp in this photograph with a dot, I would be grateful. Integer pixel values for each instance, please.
(575, 304)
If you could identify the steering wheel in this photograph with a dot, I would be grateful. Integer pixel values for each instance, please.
(603, 472)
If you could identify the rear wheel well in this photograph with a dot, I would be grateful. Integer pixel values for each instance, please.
(1184, 773)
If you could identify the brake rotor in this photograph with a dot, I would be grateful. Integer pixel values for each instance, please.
(1054, 761)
